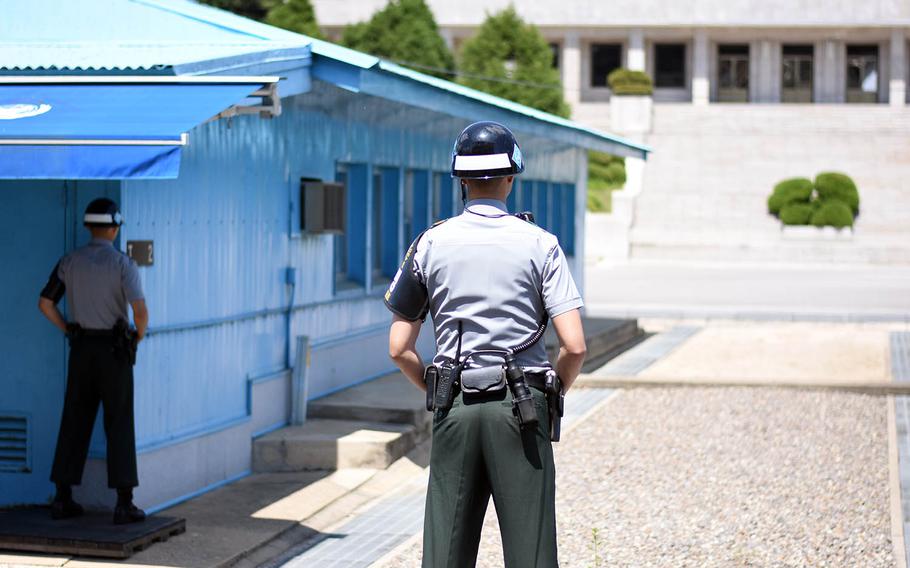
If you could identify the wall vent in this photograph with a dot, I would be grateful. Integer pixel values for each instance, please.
(14, 455)
(322, 207)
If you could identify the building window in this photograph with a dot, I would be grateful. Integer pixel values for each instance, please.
(670, 65)
(340, 245)
(733, 73)
(796, 69)
(349, 250)
(605, 57)
(442, 196)
(862, 73)
(554, 49)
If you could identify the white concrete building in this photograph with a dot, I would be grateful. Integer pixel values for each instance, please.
(747, 92)
(705, 51)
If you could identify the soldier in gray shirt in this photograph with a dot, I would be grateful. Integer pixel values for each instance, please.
(98, 281)
(490, 281)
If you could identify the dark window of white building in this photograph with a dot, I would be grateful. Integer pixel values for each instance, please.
(796, 70)
(862, 73)
(733, 73)
(605, 57)
(554, 49)
(670, 65)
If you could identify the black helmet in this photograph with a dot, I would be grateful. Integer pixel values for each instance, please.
(486, 150)
(102, 213)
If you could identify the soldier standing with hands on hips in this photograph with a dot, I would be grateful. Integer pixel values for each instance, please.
(490, 281)
(98, 281)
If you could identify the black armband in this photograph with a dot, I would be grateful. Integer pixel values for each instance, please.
(407, 296)
(55, 288)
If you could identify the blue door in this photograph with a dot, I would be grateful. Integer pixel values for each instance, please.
(39, 222)
(33, 229)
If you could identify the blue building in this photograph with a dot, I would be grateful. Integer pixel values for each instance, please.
(239, 151)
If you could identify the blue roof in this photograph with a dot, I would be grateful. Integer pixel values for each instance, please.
(184, 37)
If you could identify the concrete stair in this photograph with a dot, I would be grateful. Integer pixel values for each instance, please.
(373, 424)
(705, 186)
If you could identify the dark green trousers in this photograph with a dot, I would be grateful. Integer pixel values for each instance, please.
(478, 451)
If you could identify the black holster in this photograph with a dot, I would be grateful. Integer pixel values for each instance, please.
(556, 398)
(126, 339)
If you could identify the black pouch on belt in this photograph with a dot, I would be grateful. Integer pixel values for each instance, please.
(483, 380)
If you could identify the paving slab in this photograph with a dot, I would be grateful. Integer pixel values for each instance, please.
(783, 352)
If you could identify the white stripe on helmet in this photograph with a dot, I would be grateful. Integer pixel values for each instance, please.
(487, 162)
(102, 218)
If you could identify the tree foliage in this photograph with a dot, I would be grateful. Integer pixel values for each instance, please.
(253, 9)
(404, 31)
(517, 59)
(294, 15)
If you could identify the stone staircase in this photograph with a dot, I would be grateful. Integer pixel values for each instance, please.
(373, 424)
(706, 185)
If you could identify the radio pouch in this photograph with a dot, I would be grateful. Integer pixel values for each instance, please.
(430, 374)
(483, 380)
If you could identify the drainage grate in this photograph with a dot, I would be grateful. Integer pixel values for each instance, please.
(14, 456)
(900, 355)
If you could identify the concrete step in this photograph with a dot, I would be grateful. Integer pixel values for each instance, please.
(323, 444)
(388, 399)
(602, 336)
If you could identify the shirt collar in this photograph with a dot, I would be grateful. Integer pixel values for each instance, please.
(101, 242)
(484, 206)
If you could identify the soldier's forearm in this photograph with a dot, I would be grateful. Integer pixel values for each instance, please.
(140, 317)
(53, 315)
(412, 367)
(568, 365)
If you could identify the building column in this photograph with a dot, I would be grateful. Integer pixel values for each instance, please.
(571, 69)
(636, 58)
(701, 81)
(897, 91)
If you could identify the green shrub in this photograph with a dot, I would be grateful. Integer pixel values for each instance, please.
(834, 185)
(628, 82)
(796, 214)
(793, 190)
(832, 212)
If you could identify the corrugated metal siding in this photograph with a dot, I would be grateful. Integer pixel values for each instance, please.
(217, 292)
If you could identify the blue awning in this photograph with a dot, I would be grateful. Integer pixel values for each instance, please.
(107, 127)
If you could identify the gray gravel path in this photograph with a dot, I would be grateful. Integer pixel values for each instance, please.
(720, 477)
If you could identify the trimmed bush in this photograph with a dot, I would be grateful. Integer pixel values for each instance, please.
(834, 185)
(796, 214)
(628, 82)
(793, 190)
(832, 212)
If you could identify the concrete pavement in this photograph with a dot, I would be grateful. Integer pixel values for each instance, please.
(748, 291)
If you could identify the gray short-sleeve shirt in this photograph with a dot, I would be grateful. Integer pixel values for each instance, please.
(100, 281)
(496, 274)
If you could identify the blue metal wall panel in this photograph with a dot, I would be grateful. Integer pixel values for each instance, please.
(422, 212)
(358, 186)
(390, 251)
(556, 215)
(527, 196)
(569, 195)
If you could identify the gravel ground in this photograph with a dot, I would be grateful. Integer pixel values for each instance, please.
(720, 477)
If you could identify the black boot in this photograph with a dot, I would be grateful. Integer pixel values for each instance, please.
(63, 506)
(126, 512)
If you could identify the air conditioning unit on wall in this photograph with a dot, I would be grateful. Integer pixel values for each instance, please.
(322, 206)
